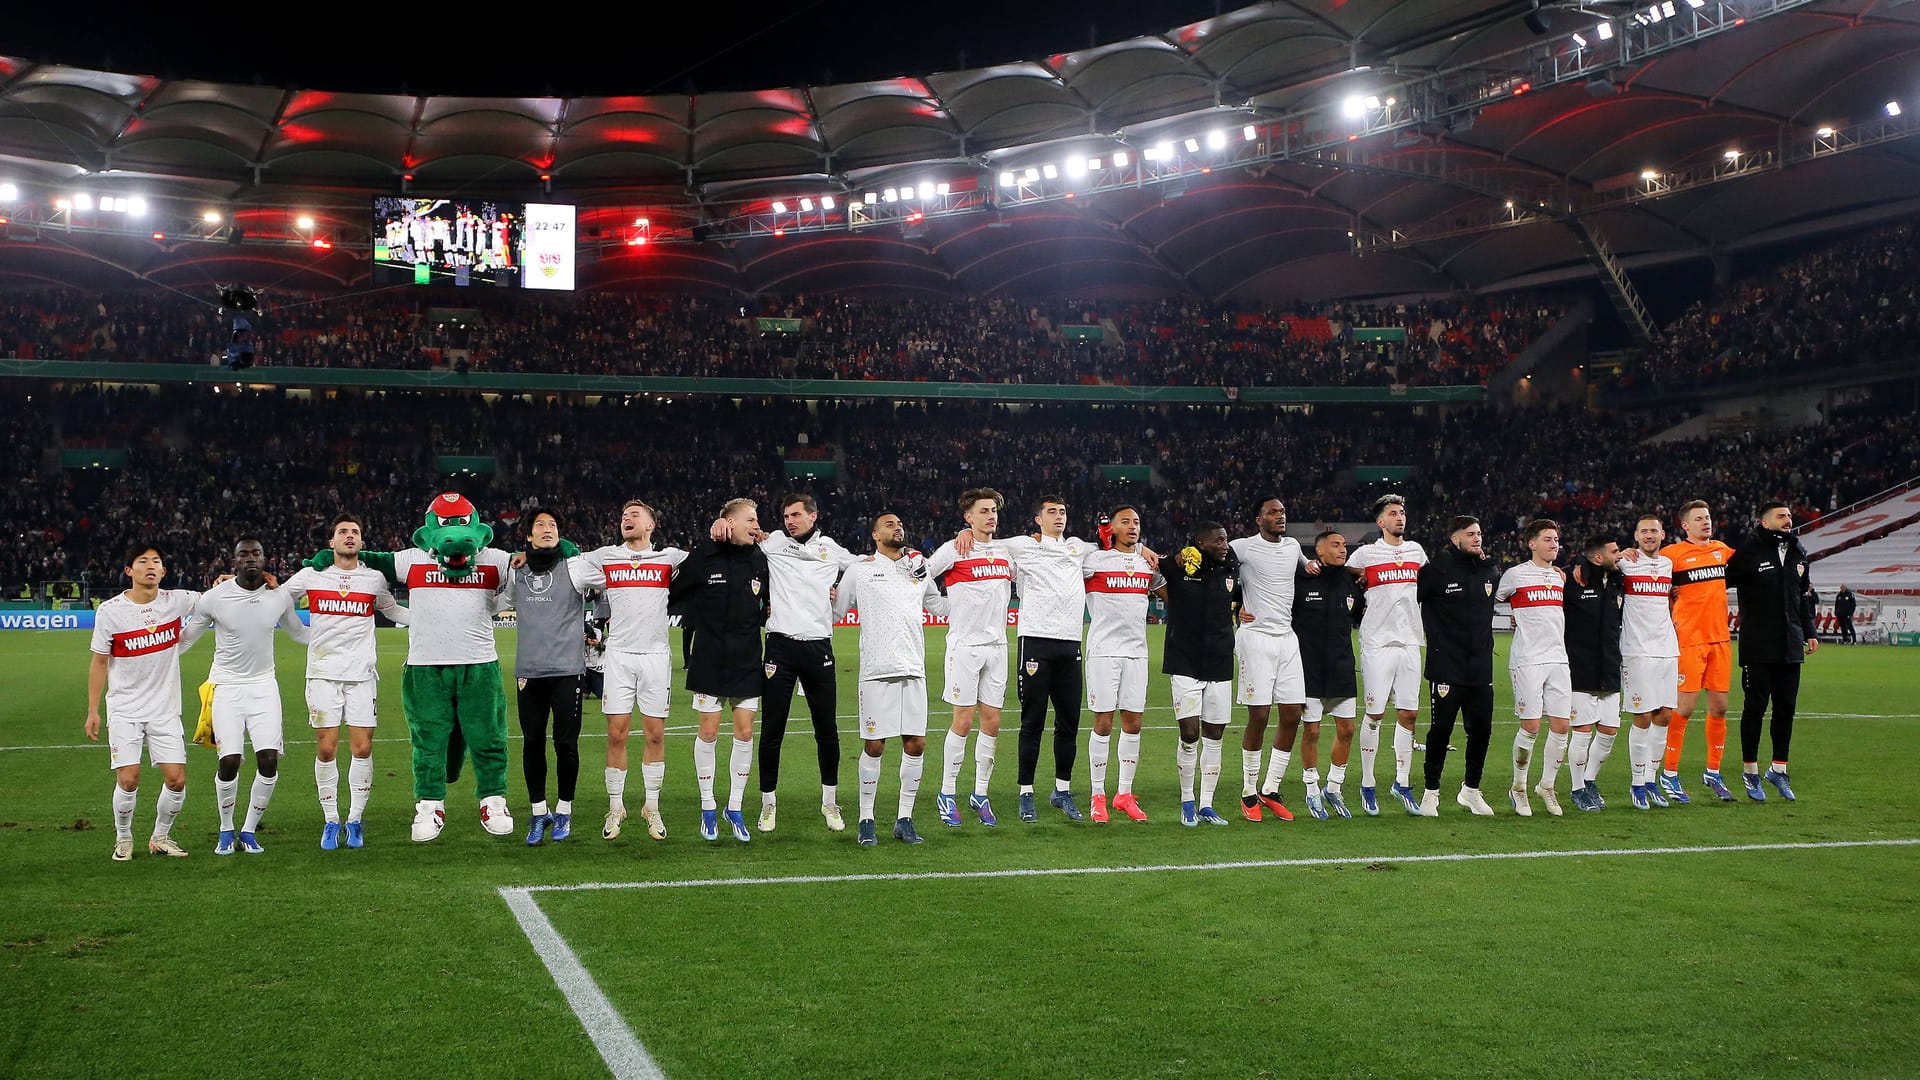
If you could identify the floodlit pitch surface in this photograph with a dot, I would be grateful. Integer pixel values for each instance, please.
(1619, 943)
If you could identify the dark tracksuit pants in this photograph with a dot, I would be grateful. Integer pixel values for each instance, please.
(810, 664)
(1763, 683)
(1474, 704)
(1049, 671)
(557, 696)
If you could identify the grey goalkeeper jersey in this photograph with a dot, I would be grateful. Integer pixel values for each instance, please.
(548, 624)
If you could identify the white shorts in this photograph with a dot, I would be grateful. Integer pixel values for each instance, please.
(1649, 682)
(976, 675)
(1602, 709)
(166, 743)
(246, 713)
(1391, 676)
(330, 702)
(1542, 690)
(1117, 683)
(1338, 708)
(892, 708)
(636, 682)
(1270, 671)
(1212, 702)
(707, 703)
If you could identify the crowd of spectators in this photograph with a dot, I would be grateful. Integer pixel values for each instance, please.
(997, 339)
(206, 466)
(1856, 302)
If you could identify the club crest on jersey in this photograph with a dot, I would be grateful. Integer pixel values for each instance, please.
(756, 586)
(1033, 667)
(1487, 587)
(770, 669)
(1620, 601)
(1802, 568)
(1229, 584)
(1439, 689)
(1636, 702)
(1349, 603)
(823, 554)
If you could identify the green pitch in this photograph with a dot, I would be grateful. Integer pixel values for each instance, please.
(406, 960)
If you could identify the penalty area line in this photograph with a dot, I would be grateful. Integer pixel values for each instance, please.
(1250, 864)
(618, 1046)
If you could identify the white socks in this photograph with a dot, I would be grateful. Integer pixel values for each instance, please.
(228, 792)
(1369, 746)
(1556, 756)
(617, 784)
(741, 763)
(1311, 777)
(1597, 757)
(1184, 757)
(326, 781)
(829, 795)
(1249, 773)
(1210, 768)
(1336, 775)
(1097, 745)
(869, 784)
(955, 755)
(652, 775)
(359, 786)
(123, 803)
(1640, 754)
(1129, 762)
(1276, 769)
(166, 810)
(538, 809)
(984, 748)
(911, 767)
(257, 801)
(1402, 754)
(1579, 749)
(703, 764)
(1522, 755)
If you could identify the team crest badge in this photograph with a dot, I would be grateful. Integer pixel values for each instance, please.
(770, 669)
(1439, 689)
(1487, 586)
(523, 683)
(1636, 701)
(1349, 603)
(1802, 568)
(1620, 601)
(823, 554)
(1033, 667)
(756, 586)
(1229, 584)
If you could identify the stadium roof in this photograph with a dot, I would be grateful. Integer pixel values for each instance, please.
(1428, 184)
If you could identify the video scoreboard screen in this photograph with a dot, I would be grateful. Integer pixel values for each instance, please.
(472, 243)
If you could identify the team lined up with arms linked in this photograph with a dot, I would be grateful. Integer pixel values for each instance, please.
(1644, 630)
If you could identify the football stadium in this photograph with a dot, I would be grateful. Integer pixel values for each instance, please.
(1315, 538)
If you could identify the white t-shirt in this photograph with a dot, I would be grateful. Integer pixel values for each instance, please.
(636, 584)
(802, 583)
(979, 590)
(1117, 586)
(893, 605)
(1391, 577)
(452, 617)
(1053, 584)
(1646, 619)
(1267, 568)
(1537, 595)
(341, 604)
(242, 621)
(142, 645)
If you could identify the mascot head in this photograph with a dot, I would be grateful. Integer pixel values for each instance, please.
(453, 533)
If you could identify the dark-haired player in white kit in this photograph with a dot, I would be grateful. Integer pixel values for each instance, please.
(136, 664)
(1267, 655)
(1390, 640)
(979, 587)
(1542, 679)
(1118, 581)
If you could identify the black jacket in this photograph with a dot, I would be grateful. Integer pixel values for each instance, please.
(1776, 598)
(1456, 609)
(725, 588)
(1844, 605)
(1202, 608)
(1593, 602)
(1326, 608)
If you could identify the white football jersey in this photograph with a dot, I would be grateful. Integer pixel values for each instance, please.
(242, 621)
(1117, 586)
(1646, 617)
(452, 617)
(1053, 585)
(1537, 595)
(802, 582)
(142, 645)
(340, 605)
(1391, 575)
(1267, 570)
(893, 603)
(979, 590)
(636, 584)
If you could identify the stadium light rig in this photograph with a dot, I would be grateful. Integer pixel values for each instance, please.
(1893, 108)
(9, 192)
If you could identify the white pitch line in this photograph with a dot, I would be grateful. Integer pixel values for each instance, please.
(618, 1046)
(1251, 864)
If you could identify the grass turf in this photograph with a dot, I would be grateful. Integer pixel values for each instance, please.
(403, 960)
